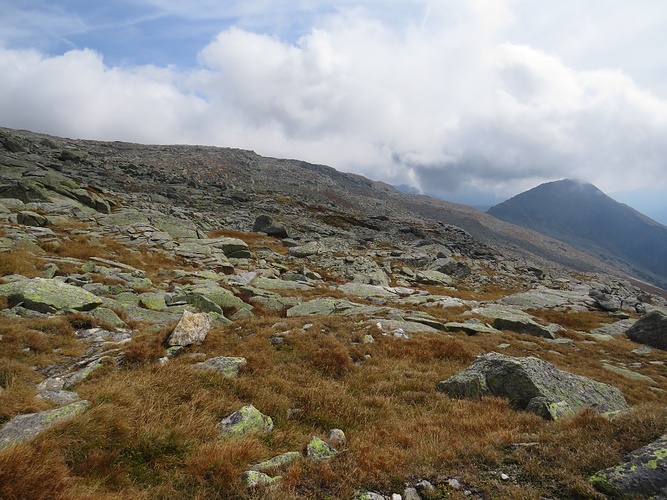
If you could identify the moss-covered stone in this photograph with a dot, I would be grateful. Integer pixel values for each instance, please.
(108, 317)
(246, 420)
(643, 473)
(278, 462)
(318, 450)
(25, 427)
(256, 479)
(534, 385)
(152, 301)
(48, 296)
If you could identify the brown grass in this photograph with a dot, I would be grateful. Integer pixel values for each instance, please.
(20, 262)
(152, 431)
(574, 320)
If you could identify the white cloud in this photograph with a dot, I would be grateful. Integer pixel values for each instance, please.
(440, 99)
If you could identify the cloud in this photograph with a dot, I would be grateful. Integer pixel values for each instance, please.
(438, 99)
(77, 95)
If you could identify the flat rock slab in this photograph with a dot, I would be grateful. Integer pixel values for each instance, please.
(617, 328)
(24, 427)
(548, 298)
(534, 385)
(470, 327)
(642, 474)
(227, 366)
(365, 290)
(326, 307)
(515, 320)
(48, 296)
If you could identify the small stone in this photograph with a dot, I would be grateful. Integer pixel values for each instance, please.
(454, 483)
(504, 477)
(319, 450)
(337, 438)
(411, 494)
(246, 420)
(255, 479)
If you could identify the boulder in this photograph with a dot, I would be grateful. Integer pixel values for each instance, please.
(246, 420)
(48, 296)
(265, 224)
(642, 474)
(28, 218)
(650, 330)
(24, 427)
(216, 294)
(191, 329)
(534, 385)
(228, 367)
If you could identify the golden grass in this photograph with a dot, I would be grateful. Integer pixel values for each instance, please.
(20, 262)
(152, 431)
(574, 320)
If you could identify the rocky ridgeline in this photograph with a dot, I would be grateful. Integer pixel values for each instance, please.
(321, 255)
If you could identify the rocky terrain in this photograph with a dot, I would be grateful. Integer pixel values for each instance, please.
(196, 322)
(583, 216)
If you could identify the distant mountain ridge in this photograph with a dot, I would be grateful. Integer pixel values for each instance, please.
(583, 216)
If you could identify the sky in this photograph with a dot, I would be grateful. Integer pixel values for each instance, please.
(472, 101)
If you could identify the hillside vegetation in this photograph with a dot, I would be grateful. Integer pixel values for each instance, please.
(115, 297)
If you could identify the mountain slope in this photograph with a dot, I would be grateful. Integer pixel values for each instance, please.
(583, 216)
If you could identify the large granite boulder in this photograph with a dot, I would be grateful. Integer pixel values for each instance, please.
(650, 330)
(48, 296)
(532, 384)
(642, 474)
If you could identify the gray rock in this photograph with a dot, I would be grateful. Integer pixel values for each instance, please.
(470, 327)
(650, 330)
(59, 397)
(433, 278)
(642, 474)
(48, 296)
(265, 224)
(226, 366)
(191, 329)
(534, 385)
(24, 427)
(365, 290)
(515, 320)
(337, 438)
(246, 420)
(28, 218)
(617, 328)
(605, 301)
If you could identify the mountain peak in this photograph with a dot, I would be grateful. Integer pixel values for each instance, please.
(580, 214)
